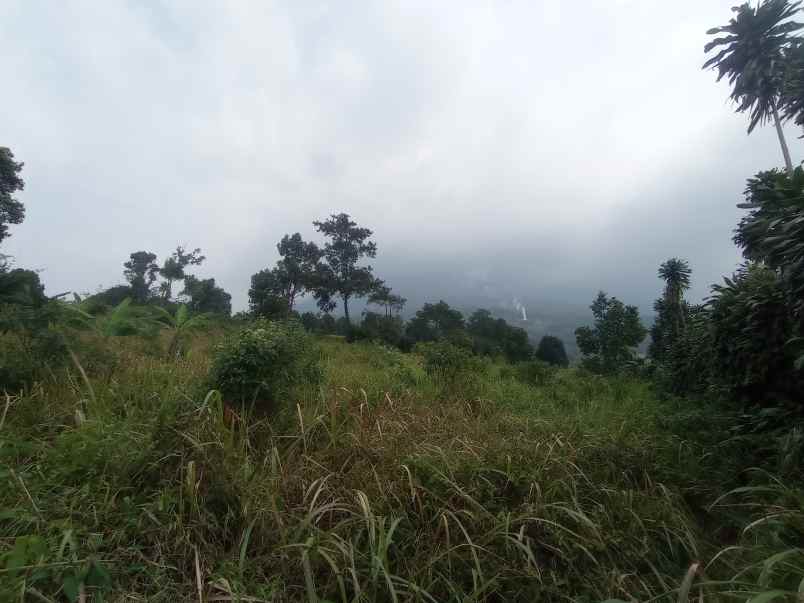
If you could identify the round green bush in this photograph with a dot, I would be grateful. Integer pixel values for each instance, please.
(263, 362)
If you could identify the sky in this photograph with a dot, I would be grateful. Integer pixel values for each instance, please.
(498, 150)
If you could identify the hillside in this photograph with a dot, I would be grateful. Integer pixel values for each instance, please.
(386, 483)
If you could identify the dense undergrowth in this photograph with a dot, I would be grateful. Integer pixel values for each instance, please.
(386, 482)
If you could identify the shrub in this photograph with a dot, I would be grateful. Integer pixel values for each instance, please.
(534, 372)
(452, 366)
(264, 362)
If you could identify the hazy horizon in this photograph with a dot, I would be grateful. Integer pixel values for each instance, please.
(492, 158)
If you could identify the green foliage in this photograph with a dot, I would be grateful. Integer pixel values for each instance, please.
(29, 355)
(264, 296)
(101, 302)
(753, 352)
(581, 488)
(339, 274)
(205, 297)
(12, 211)
(264, 362)
(791, 102)
(274, 291)
(454, 367)
(390, 302)
(551, 350)
(174, 268)
(436, 321)
(124, 319)
(180, 324)
(385, 329)
(671, 309)
(773, 230)
(140, 271)
(609, 345)
(751, 55)
(534, 372)
(492, 337)
(319, 323)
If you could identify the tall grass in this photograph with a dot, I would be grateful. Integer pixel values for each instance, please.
(379, 486)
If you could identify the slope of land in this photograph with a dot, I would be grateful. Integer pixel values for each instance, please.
(384, 484)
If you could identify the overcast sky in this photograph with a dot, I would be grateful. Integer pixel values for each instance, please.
(542, 150)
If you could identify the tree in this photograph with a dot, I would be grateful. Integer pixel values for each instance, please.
(671, 309)
(339, 274)
(752, 56)
(608, 345)
(140, 272)
(435, 321)
(791, 103)
(551, 350)
(204, 296)
(264, 296)
(102, 301)
(297, 267)
(754, 353)
(174, 268)
(492, 336)
(382, 296)
(12, 211)
(773, 230)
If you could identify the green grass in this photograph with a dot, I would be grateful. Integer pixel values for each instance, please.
(382, 484)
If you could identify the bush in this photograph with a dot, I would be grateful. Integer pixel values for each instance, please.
(534, 372)
(452, 366)
(264, 362)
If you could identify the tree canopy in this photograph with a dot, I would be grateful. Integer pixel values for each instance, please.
(751, 55)
(435, 321)
(140, 271)
(551, 350)
(608, 346)
(339, 274)
(174, 268)
(12, 211)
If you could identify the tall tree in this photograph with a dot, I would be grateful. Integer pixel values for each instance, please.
(339, 274)
(274, 291)
(671, 310)
(609, 345)
(296, 268)
(751, 56)
(390, 302)
(204, 296)
(265, 295)
(174, 268)
(140, 271)
(551, 350)
(12, 211)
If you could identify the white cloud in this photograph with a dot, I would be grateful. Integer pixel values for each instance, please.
(515, 140)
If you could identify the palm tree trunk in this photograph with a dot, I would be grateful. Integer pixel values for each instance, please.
(346, 309)
(785, 151)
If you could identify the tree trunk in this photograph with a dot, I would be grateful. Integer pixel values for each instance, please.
(785, 151)
(346, 309)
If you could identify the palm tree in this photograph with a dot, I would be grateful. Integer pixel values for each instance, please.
(671, 310)
(752, 57)
(676, 275)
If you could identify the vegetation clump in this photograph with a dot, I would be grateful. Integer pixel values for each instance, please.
(263, 362)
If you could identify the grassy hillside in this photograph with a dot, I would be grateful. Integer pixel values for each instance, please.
(133, 482)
